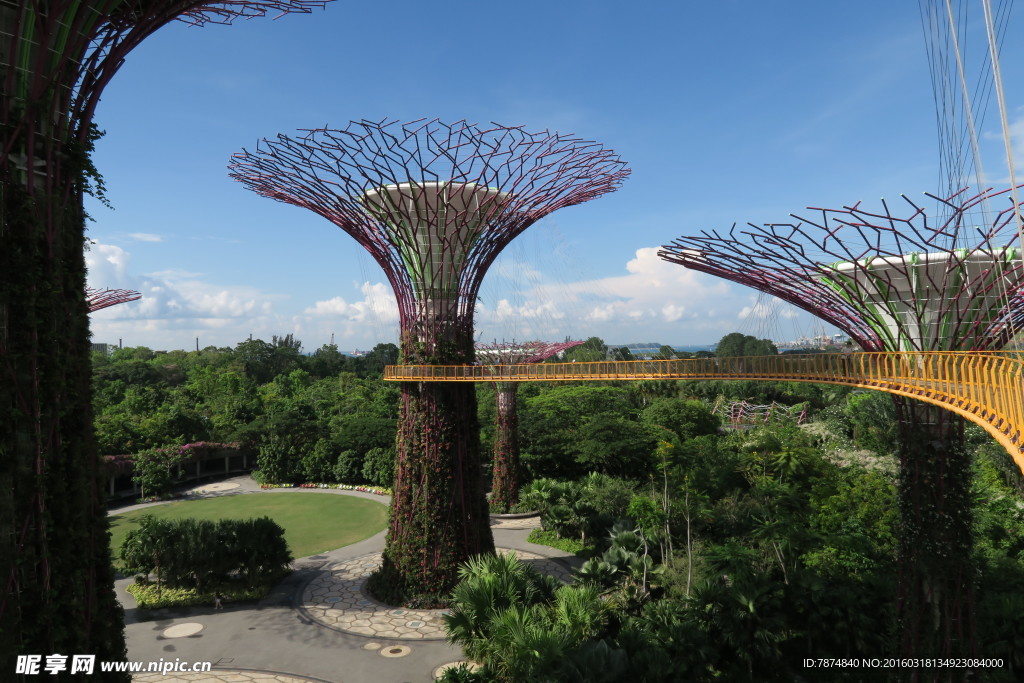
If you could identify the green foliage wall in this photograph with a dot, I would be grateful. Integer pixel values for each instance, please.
(202, 554)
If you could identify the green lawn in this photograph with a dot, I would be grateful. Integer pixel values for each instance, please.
(313, 522)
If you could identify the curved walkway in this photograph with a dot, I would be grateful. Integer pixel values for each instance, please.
(984, 387)
(297, 634)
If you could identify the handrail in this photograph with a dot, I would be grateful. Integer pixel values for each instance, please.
(984, 387)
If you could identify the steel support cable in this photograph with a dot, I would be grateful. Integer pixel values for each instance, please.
(968, 112)
(998, 81)
(998, 78)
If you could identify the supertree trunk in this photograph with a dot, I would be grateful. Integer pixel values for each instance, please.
(936, 575)
(505, 474)
(55, 59)
(55, 564)
(439, 516)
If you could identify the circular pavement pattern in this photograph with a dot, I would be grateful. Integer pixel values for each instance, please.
(335, 599)
(214, 488)
(221, 676)
(395, 651)
(189, 628)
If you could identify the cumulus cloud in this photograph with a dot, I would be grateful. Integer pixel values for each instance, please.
(653, 290)
(175, 305)
(652, 301)
(671, 312)
(538, 309)
(378, 305)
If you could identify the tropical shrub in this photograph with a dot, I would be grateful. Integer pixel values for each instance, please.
(155, 469)
(277, 461)
(379, 466)
(318, 464)
(202, 554)
(348, 468)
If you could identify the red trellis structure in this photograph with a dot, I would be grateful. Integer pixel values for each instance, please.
(434, 204)
(505, 474)
(741, 414)
(98, 299)
(899, 282)
(56, 57)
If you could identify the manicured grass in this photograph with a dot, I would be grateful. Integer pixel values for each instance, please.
(569, 545)
(313, 522)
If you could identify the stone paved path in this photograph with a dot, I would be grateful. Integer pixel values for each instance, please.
(335, 599)
(221, 676)
(516, 522)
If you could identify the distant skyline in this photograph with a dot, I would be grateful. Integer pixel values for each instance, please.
(727, 112)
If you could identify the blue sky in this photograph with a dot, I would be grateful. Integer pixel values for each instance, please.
(726, 112)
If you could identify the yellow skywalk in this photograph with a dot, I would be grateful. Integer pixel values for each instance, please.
(986, 388)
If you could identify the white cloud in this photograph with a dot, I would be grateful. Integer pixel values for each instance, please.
(653, 301)
(507, 311)
(654, 290)
(378, 305)
(602, 314)
(146, 237)
(672, 312)
(176, 305)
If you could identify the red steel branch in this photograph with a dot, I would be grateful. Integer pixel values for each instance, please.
(513, 353)
(98, 299)
(86, 43)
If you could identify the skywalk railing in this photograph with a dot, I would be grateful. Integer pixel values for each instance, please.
(985, 387)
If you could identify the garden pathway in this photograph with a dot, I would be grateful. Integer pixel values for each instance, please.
(297, 634)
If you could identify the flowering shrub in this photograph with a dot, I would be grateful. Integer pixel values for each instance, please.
(378, 490)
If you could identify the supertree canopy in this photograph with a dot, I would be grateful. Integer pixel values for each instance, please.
(899, 282)
(434, 204)
(892, 282)
(98, 299)
(56, 57)
(505, 475)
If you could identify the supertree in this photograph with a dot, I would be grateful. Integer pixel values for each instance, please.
(98, 299)
(505, 475)
(56, 57)
(434, 204)
(899, 282)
